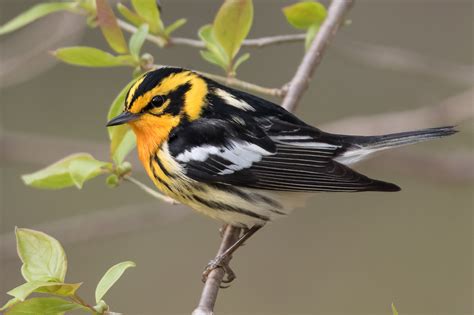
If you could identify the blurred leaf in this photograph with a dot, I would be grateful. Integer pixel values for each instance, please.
(215, 53)
(148, 10)
(43, 256)
(232, 24)
(240, 60)
(109, 26)
(43, 306)
(174, 26)
(122, 140)
(304, 14)
(90, 57)
(129, 15)
(137, 40)
(212, 58)
(64, 289)
(83, 169)
(310, 34)
(112, 181)
(9, 304)
(110, 277)
(34, 13)
(394, 310)
(121, 149)
(73, 170)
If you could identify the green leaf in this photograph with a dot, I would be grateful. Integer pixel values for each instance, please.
(72, 170)
(304, 14)
(122, 140)
(240, 60)
(129, 15)
(212, 58)
(232, 24)
(43, 256)
(394, 310)
(120, 149)
(174, 26)
(34, 13)
(137, 40)
(310, 34)
(64, 289)
(216, 53)
(89, 57)
(110, 277)
(148, 10)
(83, 169)
(109, 26)
(9, 304)
(43, 306)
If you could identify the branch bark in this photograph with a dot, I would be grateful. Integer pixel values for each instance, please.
(298, 85)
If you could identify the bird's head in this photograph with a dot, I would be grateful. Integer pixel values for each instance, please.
(161, 99)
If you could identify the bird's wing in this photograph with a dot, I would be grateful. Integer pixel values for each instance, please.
(271, 155)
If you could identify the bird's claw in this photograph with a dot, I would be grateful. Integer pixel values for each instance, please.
(221, 261)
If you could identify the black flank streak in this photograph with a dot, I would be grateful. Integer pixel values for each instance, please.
(225, 207)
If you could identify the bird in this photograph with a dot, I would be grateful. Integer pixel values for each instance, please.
(239, 158)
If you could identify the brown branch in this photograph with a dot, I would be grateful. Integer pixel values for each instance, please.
(298, 85)
(214, 280)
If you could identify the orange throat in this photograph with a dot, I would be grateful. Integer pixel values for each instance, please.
(151, 133)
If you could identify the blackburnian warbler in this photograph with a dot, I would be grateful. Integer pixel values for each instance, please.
(239, 158)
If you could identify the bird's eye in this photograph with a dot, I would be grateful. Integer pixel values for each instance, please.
(158, 101)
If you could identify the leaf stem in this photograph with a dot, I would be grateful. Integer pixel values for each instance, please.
(149, 190)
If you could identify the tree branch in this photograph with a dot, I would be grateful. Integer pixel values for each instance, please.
(299, 83)
(337, 11)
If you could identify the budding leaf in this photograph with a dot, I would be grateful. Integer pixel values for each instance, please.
(91, 57)
(394, 310)
(122, 139)
(148, 10)
(110, 28)
(240, 60)
(174, 26)
(72, 170)
(34, 13)
(129, 15)
(110, 277)
(64, 289)
(215, 53)
(304, 14)
(43, 256)
(137, 40)
(43, 306)
(232, 24)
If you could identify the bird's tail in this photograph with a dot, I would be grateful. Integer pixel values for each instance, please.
(361, 146)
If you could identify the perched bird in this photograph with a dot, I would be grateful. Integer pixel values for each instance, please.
(237, 157)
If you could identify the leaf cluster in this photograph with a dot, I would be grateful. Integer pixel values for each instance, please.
(44, 270)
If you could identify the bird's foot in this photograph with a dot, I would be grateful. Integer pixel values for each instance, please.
(221, 261)
(222, 229)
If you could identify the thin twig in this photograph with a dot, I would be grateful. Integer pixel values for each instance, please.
(298, 85)
(196, 43)
(150, 190)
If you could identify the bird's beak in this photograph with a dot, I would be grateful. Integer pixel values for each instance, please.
(123, 118)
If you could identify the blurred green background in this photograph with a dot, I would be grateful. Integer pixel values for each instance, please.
(342, 254)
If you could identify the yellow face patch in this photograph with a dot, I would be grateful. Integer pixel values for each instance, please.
(194, 99)
(132, 91)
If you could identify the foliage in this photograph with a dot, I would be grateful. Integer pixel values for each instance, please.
(44, 270)
(306, 15)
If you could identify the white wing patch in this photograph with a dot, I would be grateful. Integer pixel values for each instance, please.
(301, 141)
(233, 101)
(240, 154)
